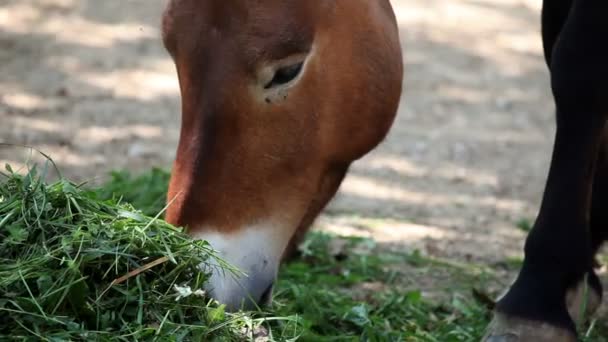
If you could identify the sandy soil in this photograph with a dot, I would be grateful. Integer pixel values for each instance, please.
(88, 82)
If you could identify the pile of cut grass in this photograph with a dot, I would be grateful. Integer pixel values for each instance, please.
(147, 191)
(75, 266)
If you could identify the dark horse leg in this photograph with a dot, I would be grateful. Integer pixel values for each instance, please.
(554, 16)
(590, 297)
(559, 251)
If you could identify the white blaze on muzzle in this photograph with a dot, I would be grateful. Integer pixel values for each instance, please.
(256, 251)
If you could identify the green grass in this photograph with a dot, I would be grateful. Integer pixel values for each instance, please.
(524, 225)
(75, 266)
(339, 289)
(331, 295)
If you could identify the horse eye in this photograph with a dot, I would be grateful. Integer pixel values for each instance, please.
(284, 75)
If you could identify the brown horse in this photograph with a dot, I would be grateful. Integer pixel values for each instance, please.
(279, 97)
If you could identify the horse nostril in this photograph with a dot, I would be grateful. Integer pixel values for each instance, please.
(267, 295)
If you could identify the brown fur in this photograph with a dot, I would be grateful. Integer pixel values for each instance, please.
(241, 159)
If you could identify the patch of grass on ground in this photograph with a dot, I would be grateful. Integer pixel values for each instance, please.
(70, 243)
(356, 295)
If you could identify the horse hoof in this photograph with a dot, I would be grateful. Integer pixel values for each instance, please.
(509, 329)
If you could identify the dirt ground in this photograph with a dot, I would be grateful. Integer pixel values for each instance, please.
(89, 83)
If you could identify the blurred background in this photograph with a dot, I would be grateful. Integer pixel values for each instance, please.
(459, 177)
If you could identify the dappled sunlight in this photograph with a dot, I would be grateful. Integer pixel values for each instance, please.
(88, 38)
(395, 164)
(27, 102)
(382, 162)
(25, 157)
(91, 34)
(374, 189)
(82, 32)
(495, 31)
(135, 84)
(389, 231)
(46, 126)
(98, 135)
(72, 159)
(431, 240)
(89, 83)
(460, 129)
(147, 82)
(468, 94)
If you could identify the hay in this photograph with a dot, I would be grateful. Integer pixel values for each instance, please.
(76, 267)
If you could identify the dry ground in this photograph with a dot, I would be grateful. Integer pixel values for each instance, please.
(88, 82)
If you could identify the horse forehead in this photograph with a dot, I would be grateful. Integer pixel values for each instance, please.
(261, 29)
(233, 14)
